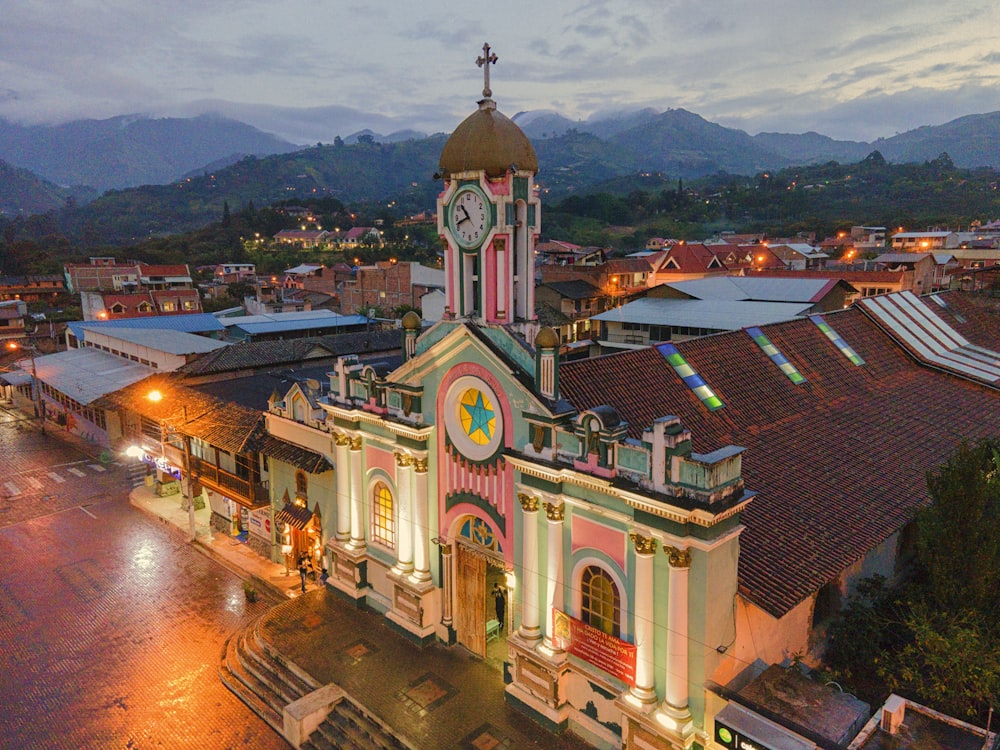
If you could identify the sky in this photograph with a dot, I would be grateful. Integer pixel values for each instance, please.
(308, 71)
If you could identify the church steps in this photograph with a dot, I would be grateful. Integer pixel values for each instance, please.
(255, 694)
(285, 685)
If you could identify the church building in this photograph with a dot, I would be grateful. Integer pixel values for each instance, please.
(583, 524)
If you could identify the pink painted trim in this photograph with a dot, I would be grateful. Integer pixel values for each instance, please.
(379, 458)
(589, 534)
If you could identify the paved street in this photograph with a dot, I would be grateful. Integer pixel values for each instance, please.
(110, 628)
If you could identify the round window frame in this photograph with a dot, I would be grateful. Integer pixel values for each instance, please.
(453, 419)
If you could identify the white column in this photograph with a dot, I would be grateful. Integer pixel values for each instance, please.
(343, 470)
(404, 502)
(645, 633)
(421, 513)
(677, 628)
(357, 497)
(529, 566)
(554, 569)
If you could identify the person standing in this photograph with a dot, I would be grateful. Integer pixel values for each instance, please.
(500, 602)
(302, 571)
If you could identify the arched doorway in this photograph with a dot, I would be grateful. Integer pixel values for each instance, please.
(480, 622)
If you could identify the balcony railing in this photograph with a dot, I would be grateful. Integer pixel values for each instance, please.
(252, 493)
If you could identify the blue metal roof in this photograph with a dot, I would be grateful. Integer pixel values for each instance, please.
(278, 326)
(194, 323)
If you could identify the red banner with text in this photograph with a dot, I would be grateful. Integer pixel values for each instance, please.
(604, 651)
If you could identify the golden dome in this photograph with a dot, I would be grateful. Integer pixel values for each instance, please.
(412, 321)
(490, 141)
(546, 338)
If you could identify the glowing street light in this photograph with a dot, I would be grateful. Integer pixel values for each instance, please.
(156, 397)
(36, 394)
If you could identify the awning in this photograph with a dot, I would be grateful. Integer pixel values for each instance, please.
(296, 516)
(16, 377)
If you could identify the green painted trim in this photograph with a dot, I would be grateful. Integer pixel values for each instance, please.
(407, 442)
(541, 484)
(466, 498)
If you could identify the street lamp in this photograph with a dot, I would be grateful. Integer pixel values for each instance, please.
(156, 397)
(36, 394)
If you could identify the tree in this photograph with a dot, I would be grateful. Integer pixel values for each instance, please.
(226, 218)
(952, 663)
(958, 540)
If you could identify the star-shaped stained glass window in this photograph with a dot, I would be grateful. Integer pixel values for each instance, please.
(478, 418)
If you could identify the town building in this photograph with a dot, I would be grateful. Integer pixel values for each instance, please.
(304, 238)
(34, 288)
(107, 275)
(388, 285)
(922, 242)
(656, 522)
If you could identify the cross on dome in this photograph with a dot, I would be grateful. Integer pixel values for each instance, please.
(484, 62)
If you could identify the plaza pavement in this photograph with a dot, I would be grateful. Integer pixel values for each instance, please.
(433, 697)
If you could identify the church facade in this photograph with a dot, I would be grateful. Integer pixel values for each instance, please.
(661, 525)
(463, 472)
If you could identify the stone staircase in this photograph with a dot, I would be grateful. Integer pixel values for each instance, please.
(266, 683)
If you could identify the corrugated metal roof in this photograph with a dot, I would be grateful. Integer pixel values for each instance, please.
(714, 314)
(758, 289)
(193, 323)
(160, 339)
(87, 374)
(299, 322)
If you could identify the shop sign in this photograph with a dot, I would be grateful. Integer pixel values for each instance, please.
(732, 738)
(604, 651)
(259, 523)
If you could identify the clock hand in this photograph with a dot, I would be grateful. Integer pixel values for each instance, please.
(465, 219)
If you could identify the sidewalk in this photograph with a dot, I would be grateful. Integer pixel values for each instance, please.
(231, 552)
(434, 697)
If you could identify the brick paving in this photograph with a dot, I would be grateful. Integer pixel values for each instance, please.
(110, 628)
(435, 697)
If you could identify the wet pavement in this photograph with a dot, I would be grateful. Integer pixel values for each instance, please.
(112, 626)
(111, 629)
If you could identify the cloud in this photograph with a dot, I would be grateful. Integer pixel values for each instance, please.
(759, 62)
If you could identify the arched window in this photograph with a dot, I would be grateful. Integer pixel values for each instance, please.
(301, 484)
(383, 521)
(600, 604)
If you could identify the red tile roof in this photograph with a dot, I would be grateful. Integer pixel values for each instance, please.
(690, 258)
(839, 462)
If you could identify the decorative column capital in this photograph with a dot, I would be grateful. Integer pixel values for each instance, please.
(356, 443)
(679, 558)
(443, 545)
(403, 460)
(420, 465)
(529, 504)
(342, 439)
(644, 545)
(555, 512)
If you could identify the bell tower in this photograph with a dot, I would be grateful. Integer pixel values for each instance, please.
(489, 216)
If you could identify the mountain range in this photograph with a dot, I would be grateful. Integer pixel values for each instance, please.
(124, 152)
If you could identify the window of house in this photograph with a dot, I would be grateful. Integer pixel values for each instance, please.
(189, 304)
(383, 528)
(301, 484)
(600, 603)
(168, 307)
(145, 307)
(118, 308)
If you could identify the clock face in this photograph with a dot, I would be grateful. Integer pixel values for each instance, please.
(470, 217)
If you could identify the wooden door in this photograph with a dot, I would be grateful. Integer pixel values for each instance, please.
(470, 601)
